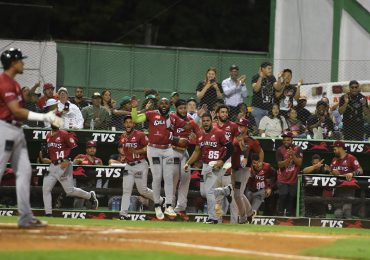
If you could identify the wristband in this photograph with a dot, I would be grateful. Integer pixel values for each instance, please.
(32, 116)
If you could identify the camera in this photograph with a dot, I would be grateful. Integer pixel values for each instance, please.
(66, 106)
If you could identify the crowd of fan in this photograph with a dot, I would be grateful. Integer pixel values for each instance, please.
(277, 106)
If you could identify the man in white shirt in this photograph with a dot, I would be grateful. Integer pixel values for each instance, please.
(69, 112)
(234, 91)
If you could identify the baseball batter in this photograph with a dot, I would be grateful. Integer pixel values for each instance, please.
(184, 126)
(60, 143)
(134, 144)
(240, 161)
(159, 152)
(13, 146)
(214, 147)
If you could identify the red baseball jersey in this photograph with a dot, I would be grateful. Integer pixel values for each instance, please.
(348, 164)
(178, 124)
(86, 160)
(10, 90)
(288, 174)
(60, 144)
(159, 128)
(251, 144)
(212, 145)
(230, 129)
(264, 178)
(135, 140)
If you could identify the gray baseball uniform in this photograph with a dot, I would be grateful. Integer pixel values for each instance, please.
(184, 177)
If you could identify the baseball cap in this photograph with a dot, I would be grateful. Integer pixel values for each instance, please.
(96, 95)
(191, 99)
(234, 67)
(50, 102)
(63, 89)
(339, 143)
(321, 103)
(174, 94)
(303, 97)
(91, 143)
(180, 102)
(125, 100)
(287, 134)
(150, 96)
(243, 122)
(48, 86)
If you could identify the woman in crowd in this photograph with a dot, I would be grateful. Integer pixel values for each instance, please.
(209, 91)
(274, 124)
(294, 125)
(107, 102)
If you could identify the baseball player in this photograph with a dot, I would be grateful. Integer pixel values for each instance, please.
(346, 165)
(13, 144)
(159, 152)
(60, 143)
(184, 126)
(89, 158)
(261, 181)
(230, 130)
(134, 143)
(215, 148)
(240, 161)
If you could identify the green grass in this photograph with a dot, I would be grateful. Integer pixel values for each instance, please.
(111, 255)
(355, 248)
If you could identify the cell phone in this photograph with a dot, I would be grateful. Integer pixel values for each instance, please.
(212, 81)
(66, 107)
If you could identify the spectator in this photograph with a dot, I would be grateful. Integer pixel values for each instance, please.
(294, 125)
(245, 112)
(153, 92)
(289, 159)
(264, 85)
(234, 91)
(289, 94)
(70, 112)
(353, 106)
(118, 158)
(346, 165)
(174, 97)
(274, 124)
(78, 99)
(96, 116)
(30, 99)
(302, 113)
(319, 125)
(335, 116)
(261, 182)
(209, 91)
(88, 158)
(123, 110)
(48, 90)
(153, 100)
(191, 107)
(107, 102)
(51, 104)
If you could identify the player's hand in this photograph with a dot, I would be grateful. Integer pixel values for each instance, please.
(78, 161)
(64, 164)
(218, 165)
(134, 101)
(335, 172)
(187, 167)
(183, 142)
(319, 164)
(202, 110)
(268, 192)
(53, 119)
(244, 162)
(300, 82)
(349, 176)
(149, 105)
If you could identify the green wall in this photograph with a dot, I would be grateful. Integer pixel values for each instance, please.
(128, 70)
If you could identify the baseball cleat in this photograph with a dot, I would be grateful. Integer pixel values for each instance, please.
(243, 220)
(228, 196)
(211, 221)
(34, 223)
(170, 212)
(250, 218)
(182, 214)
(94, 200)
(158, 213)
(122, 217)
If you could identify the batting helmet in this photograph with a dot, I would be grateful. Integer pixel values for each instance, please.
(8, 56)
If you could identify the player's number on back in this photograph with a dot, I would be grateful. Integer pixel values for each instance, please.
(60, 154)
(135, 156)
(214, 155)
(260, 185)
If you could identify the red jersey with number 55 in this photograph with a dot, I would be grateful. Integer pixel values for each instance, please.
(345, 165)
(159, 128)
(212, 145)
(60, 144)
(135, 140)
(9, 91)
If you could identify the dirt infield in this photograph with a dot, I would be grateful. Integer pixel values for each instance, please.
(283, 245)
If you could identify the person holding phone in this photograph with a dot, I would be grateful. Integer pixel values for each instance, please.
(209, 91)
(70, 112)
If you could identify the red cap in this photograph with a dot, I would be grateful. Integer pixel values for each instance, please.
(243, 122)
(48, 86)
(339, 143)
(287, 134)
(91, 143)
